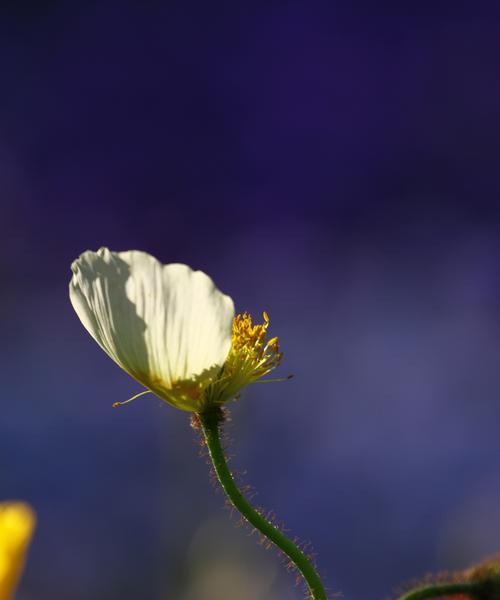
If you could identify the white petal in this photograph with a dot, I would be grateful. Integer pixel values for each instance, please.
(161, 323)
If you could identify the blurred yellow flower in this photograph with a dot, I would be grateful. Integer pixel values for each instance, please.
(17, 521)
(170, 328)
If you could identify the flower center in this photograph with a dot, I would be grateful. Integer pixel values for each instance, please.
(252, 356)
(250, 349)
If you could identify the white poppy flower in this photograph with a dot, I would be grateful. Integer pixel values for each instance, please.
(169, 327)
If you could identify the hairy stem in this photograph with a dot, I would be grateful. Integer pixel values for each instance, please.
(440, 590)
(210, 424)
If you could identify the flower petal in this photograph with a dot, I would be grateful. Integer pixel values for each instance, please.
(161, 323)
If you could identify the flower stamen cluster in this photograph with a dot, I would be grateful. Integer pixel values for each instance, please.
(250, 352)
(250, 358)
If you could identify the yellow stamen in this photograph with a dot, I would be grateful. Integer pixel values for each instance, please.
(116, 404)
(249, 348)
(251, 358)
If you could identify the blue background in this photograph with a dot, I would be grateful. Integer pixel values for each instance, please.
(333, 164)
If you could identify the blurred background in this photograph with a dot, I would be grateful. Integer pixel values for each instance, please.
(334, 165)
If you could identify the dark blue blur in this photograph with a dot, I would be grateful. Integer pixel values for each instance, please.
(333, 164)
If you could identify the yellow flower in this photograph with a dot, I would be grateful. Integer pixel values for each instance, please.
(17, 521)
(170, 328)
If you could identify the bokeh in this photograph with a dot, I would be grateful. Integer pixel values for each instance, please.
(333, 163)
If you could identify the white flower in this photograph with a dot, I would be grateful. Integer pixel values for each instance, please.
(169, 327)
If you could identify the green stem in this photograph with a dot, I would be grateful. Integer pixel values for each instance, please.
(440, 590)
(210, 422)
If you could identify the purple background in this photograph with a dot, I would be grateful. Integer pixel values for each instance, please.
(334, 165)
